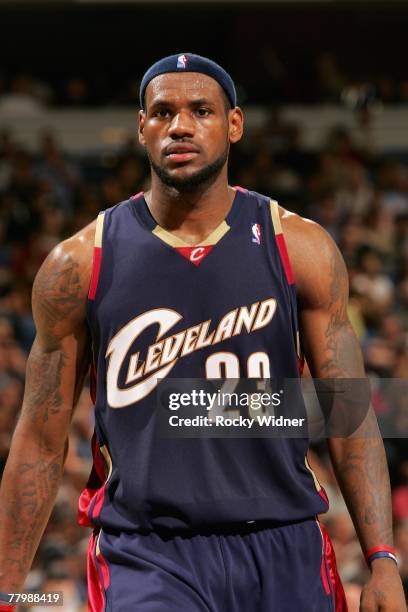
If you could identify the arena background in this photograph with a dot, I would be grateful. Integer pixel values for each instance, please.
(325, 89)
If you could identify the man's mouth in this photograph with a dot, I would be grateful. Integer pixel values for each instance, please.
(181, 152)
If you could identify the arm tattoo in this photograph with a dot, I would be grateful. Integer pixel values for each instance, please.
(363, 474)
(359, 461)
(342, 358)
(28, 511)
(43, 396)
(55, 370)
(341, 350)
(59, 291)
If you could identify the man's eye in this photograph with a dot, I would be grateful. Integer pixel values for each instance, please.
(203, 112)
(162, 114)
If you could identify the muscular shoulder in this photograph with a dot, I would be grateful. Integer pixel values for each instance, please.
(318, 267)
(61, 285)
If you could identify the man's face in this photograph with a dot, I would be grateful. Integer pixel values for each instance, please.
(187, 129)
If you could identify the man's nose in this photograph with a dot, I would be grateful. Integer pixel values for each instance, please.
(182, 125)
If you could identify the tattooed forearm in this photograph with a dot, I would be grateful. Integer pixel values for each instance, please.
(43, 395)
(361, 469)
(25, 512)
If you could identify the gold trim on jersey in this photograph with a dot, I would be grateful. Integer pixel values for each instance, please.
(97, 548)
(315, 480)
(299, 349)
(216, 235)
(321, 533)
(276, 222)
(108, 461)
(173, 241)
(176, 242)
(99, 230)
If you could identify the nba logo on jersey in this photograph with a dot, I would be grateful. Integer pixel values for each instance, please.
(181, 61)
(256, 233)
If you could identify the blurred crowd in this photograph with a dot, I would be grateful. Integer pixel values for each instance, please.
(26, 93)
(360, 197)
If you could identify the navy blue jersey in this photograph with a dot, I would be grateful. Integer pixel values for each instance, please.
(159, 308)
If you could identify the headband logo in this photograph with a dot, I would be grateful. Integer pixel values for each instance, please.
(182, 61)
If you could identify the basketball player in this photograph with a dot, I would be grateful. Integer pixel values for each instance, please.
(193, 279)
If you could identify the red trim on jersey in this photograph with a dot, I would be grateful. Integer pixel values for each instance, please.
(96, 595)
(93, 489)
(195, 254)
(241, 189)
(301, 365)
(323, 574)
(280, 240)
(134, 197)
(323, 495)
(340, 602)
(84, 504)
(96, 269)
(99, 499)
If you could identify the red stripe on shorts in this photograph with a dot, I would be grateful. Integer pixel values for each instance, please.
(340, 602)
(96, 595)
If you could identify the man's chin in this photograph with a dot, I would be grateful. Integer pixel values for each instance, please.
(184, 173)
(186, 177)
(183, 181)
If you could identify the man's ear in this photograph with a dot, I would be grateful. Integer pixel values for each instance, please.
(236, 124)
(142, 117)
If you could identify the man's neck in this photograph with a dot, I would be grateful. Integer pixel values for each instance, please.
(191, 216)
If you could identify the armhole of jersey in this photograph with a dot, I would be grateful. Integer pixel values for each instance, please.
(300, 355)
(280, 241)
(283, 252)
(97, 257)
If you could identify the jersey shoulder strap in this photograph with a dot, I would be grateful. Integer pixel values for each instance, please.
(280, 241)
(97, 256)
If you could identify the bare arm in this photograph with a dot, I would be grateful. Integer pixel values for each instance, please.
(332, 351)
(56, 368)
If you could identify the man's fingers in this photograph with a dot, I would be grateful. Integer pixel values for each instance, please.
(367, 602)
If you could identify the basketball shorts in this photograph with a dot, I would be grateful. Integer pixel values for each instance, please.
(259, 568)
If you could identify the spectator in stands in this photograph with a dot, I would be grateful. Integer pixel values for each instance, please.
(22, 99)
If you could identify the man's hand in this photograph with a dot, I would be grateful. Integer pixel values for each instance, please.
(383, 592)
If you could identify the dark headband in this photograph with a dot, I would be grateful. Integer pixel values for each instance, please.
(188, 62)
